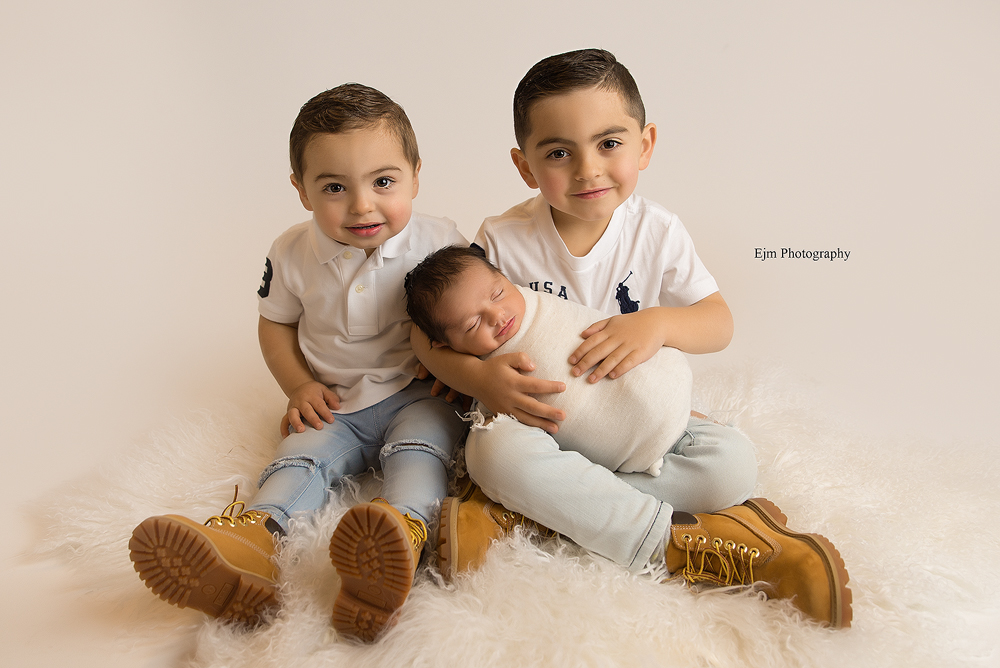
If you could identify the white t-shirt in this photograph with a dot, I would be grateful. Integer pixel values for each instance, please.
(644, 258)
(351, 309)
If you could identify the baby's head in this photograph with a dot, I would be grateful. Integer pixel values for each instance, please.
(581, 132)
(459, 299)
(354, 164)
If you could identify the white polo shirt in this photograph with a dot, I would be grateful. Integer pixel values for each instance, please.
(644, 258)
(351, 309)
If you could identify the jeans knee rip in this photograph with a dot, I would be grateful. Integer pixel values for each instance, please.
(392, 448)
(301, 461)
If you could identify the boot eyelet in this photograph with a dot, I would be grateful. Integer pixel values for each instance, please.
(702, 540)
(686, 538)
(730, 544)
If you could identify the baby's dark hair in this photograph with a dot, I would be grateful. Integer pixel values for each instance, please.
(428, 281)
(574, 70)
(350, 106)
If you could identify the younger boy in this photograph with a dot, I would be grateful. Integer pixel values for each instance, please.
(582, 139)
(461, 300)
(334, 333)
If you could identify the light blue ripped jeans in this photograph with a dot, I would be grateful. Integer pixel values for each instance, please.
(411, 436)
(624, 517)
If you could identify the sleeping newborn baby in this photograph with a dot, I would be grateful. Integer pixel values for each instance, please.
(459, 299)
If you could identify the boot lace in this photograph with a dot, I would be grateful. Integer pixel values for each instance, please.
(232, 517)
(722, 563)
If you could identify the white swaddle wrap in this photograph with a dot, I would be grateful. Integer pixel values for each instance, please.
(627, 424)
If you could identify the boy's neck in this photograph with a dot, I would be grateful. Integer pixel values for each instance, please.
(580, 236)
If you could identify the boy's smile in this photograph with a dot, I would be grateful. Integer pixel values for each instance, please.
(481, 310)
(584, 152)
(359, 186)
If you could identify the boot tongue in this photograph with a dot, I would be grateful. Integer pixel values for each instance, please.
(680, 517)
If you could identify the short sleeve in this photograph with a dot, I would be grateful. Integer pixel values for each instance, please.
(275, 300)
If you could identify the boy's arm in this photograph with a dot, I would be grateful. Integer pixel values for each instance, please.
(497, 382)
(308, 399)
(622, 342)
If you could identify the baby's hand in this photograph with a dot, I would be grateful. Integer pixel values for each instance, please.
(309, 402)
(617, 345)
(506, 390)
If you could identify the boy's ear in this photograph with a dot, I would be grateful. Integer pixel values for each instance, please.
(438, 344)
(648, 142)
(302, 192)
(517, 155)
(416, 177)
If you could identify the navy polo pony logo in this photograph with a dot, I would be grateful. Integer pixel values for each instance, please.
(624, 302)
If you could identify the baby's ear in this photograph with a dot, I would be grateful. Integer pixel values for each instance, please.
(438, 344)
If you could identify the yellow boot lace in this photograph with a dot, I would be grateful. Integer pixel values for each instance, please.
(231, 517)
(724, 563)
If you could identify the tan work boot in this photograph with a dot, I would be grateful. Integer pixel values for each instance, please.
(222, 567)
(375, 550)
(750, 544)
(469, 524)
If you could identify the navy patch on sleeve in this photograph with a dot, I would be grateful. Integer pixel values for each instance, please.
(265, 283)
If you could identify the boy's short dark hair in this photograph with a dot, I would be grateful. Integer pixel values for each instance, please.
(574, 70)
(348, 107)
(427, 281)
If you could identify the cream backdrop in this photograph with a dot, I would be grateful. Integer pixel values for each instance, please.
(144, 175)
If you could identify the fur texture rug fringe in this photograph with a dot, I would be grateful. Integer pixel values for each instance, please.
(916, 523)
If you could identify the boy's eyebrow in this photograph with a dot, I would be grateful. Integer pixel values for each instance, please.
(614, 130)
(374, 172)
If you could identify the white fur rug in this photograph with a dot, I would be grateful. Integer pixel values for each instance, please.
(917, 524)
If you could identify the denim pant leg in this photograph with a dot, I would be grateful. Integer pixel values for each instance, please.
(308, 463)
(420, 440)
(711, 467)
(523, 468)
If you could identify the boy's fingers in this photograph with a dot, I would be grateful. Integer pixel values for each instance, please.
(533, 421)
(589, 353)
(295, 419)
(613, 362)
(543, 386)
(596, 327)
(522, 362)
(332, 400)
(544, 412)
(309, 415)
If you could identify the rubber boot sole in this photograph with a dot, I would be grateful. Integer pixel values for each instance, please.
(840, 601)
(183, 567)
(372, 554)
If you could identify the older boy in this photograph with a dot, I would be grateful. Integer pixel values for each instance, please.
(334, 333)
(582, 141)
